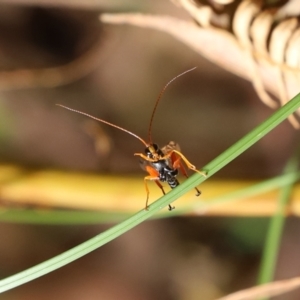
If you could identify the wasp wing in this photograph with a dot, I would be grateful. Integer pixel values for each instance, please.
(143, 164)
(171, 146)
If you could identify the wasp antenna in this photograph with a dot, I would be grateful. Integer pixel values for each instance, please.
(105, 122)
(158, 99)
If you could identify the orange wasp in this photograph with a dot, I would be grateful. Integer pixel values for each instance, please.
(162, 164)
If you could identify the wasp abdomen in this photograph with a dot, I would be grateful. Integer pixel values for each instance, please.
(172, 182)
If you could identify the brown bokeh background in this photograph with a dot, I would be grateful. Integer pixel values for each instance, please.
(205, 111)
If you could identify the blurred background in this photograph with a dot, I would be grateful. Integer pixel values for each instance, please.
(59, 52)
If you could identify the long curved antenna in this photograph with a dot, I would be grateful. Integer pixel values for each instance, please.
(158, 99)
(105, 122)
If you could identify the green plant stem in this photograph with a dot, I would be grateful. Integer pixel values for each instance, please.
(103, 238)
(272, 244)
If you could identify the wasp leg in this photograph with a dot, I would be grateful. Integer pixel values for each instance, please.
(153, 175)
(160, 186)
(149, 177)
(162, 189)
(143, 156)
(188, 164)
(177, 164)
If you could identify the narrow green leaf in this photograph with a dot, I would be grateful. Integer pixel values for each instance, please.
(272, 244)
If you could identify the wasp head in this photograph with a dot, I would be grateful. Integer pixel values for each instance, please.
(153, 152)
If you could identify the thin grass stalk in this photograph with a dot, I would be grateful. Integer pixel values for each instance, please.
(275, 230)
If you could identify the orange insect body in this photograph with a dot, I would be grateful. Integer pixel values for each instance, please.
(161, 164)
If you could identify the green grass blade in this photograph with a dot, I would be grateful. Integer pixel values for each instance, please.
(272, 244)
(103, 238)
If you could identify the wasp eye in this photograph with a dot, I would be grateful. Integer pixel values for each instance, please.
(147, 151)
(155, 147)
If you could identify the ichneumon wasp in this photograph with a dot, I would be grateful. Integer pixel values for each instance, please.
(162, 164)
